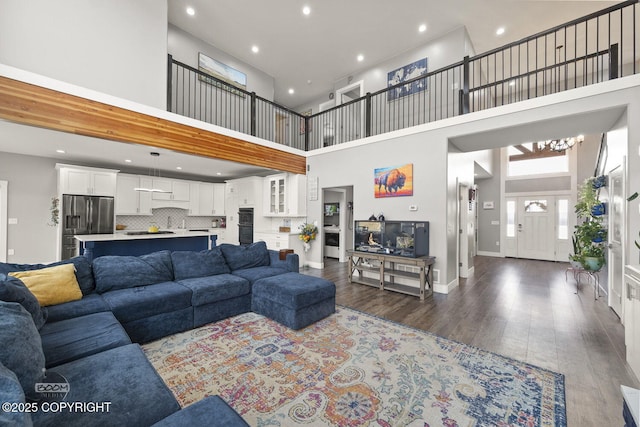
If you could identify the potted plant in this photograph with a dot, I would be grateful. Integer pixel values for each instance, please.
(589, 236)
(593, 256)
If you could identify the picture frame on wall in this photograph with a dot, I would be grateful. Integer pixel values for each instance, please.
(393, 181)
(222, 73)
(404, 74)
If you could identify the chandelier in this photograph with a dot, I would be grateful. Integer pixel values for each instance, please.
(563, 143)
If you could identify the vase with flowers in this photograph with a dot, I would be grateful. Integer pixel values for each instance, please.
(308, 233)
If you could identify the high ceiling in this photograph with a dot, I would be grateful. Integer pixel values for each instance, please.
(309, 53)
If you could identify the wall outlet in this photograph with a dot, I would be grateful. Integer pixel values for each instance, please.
(413, 208)
(13, 221)
(495, 222)
(497, 243)
(11, 252)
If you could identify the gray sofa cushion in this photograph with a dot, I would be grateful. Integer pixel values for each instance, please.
(189, 264)
(216, 288)
(122, 376)
(20, 345)
(114, 272)
(241, 257)
(11, 392)
(13, 290)
(75, 338)
(84, 274)
(146, 301)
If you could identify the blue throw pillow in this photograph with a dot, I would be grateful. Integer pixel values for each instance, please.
(241, 257)
(84, 275)
(21, 346)
(113, 272)
(13, 290)
(188, 264)
(11, 392)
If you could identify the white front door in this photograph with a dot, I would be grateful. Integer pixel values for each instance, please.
(537, 227)
(616, 192)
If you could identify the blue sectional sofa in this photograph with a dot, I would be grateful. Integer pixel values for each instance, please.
(92, 343)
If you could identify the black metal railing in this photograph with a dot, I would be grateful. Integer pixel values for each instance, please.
(589, 50)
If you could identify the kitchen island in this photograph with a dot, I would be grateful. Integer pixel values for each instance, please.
(140, 243)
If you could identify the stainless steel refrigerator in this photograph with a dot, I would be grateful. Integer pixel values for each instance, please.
(84, 215)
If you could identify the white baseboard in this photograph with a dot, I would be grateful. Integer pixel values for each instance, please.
(318, 265)
(493, 254)
(445, 289)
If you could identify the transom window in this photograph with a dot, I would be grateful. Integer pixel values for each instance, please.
(536, 158)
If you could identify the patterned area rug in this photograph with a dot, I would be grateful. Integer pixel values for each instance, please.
(353, 369)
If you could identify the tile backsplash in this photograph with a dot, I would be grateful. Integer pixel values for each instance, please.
(166, 218)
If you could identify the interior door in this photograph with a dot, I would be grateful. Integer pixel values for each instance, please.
(616, 192)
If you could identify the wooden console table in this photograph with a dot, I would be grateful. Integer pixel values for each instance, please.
(386, 275)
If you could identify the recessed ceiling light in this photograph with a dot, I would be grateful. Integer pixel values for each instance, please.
(191, 11)
(60, 151)
(500, 31)
(512, 83)
(360, 58)
(291, 91)
(255, 49)
(179, 168)
(218, 173)
(422, 28)
(306, 10)
(127, 160)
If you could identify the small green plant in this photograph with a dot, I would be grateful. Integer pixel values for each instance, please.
(55, 211)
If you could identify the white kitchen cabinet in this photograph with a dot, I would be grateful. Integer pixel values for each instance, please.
(86, 181)
(128, 201)
(208, 199)
(219, 197)
(285, 195)
(275, 240)
(176, 190)
(248, 191)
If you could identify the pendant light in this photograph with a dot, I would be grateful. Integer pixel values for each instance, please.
(153, 174)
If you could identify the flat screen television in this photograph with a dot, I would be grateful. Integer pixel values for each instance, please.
(331, 209)
(400, 238)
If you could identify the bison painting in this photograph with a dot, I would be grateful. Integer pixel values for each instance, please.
(392, 181)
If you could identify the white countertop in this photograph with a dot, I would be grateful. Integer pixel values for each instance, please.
(125, 236)
(287, 233)
(632, 397)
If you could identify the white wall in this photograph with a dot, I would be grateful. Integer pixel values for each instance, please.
(441, 52)
(185, 48)
(32, 183)
(118, 47)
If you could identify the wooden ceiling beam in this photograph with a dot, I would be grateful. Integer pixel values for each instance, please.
(46, 108)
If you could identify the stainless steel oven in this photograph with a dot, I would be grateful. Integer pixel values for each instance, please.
(245, 226)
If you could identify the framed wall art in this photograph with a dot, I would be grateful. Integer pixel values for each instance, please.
(393, 181)
(404, 74)
(223, 72)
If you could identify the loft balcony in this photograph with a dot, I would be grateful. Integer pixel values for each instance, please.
(587, 51)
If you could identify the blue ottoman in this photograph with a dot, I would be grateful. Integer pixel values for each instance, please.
(293, 299)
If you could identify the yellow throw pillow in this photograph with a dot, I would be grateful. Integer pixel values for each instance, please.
(51, 285)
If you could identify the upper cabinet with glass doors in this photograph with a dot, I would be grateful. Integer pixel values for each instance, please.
(285, 195)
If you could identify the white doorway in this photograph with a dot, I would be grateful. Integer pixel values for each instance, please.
(337, 227)
(466, 229)
(615, 255)
(350, 120)
(4, 187)
(538, 226)
(327, 123)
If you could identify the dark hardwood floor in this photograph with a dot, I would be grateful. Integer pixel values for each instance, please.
(521, 309)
